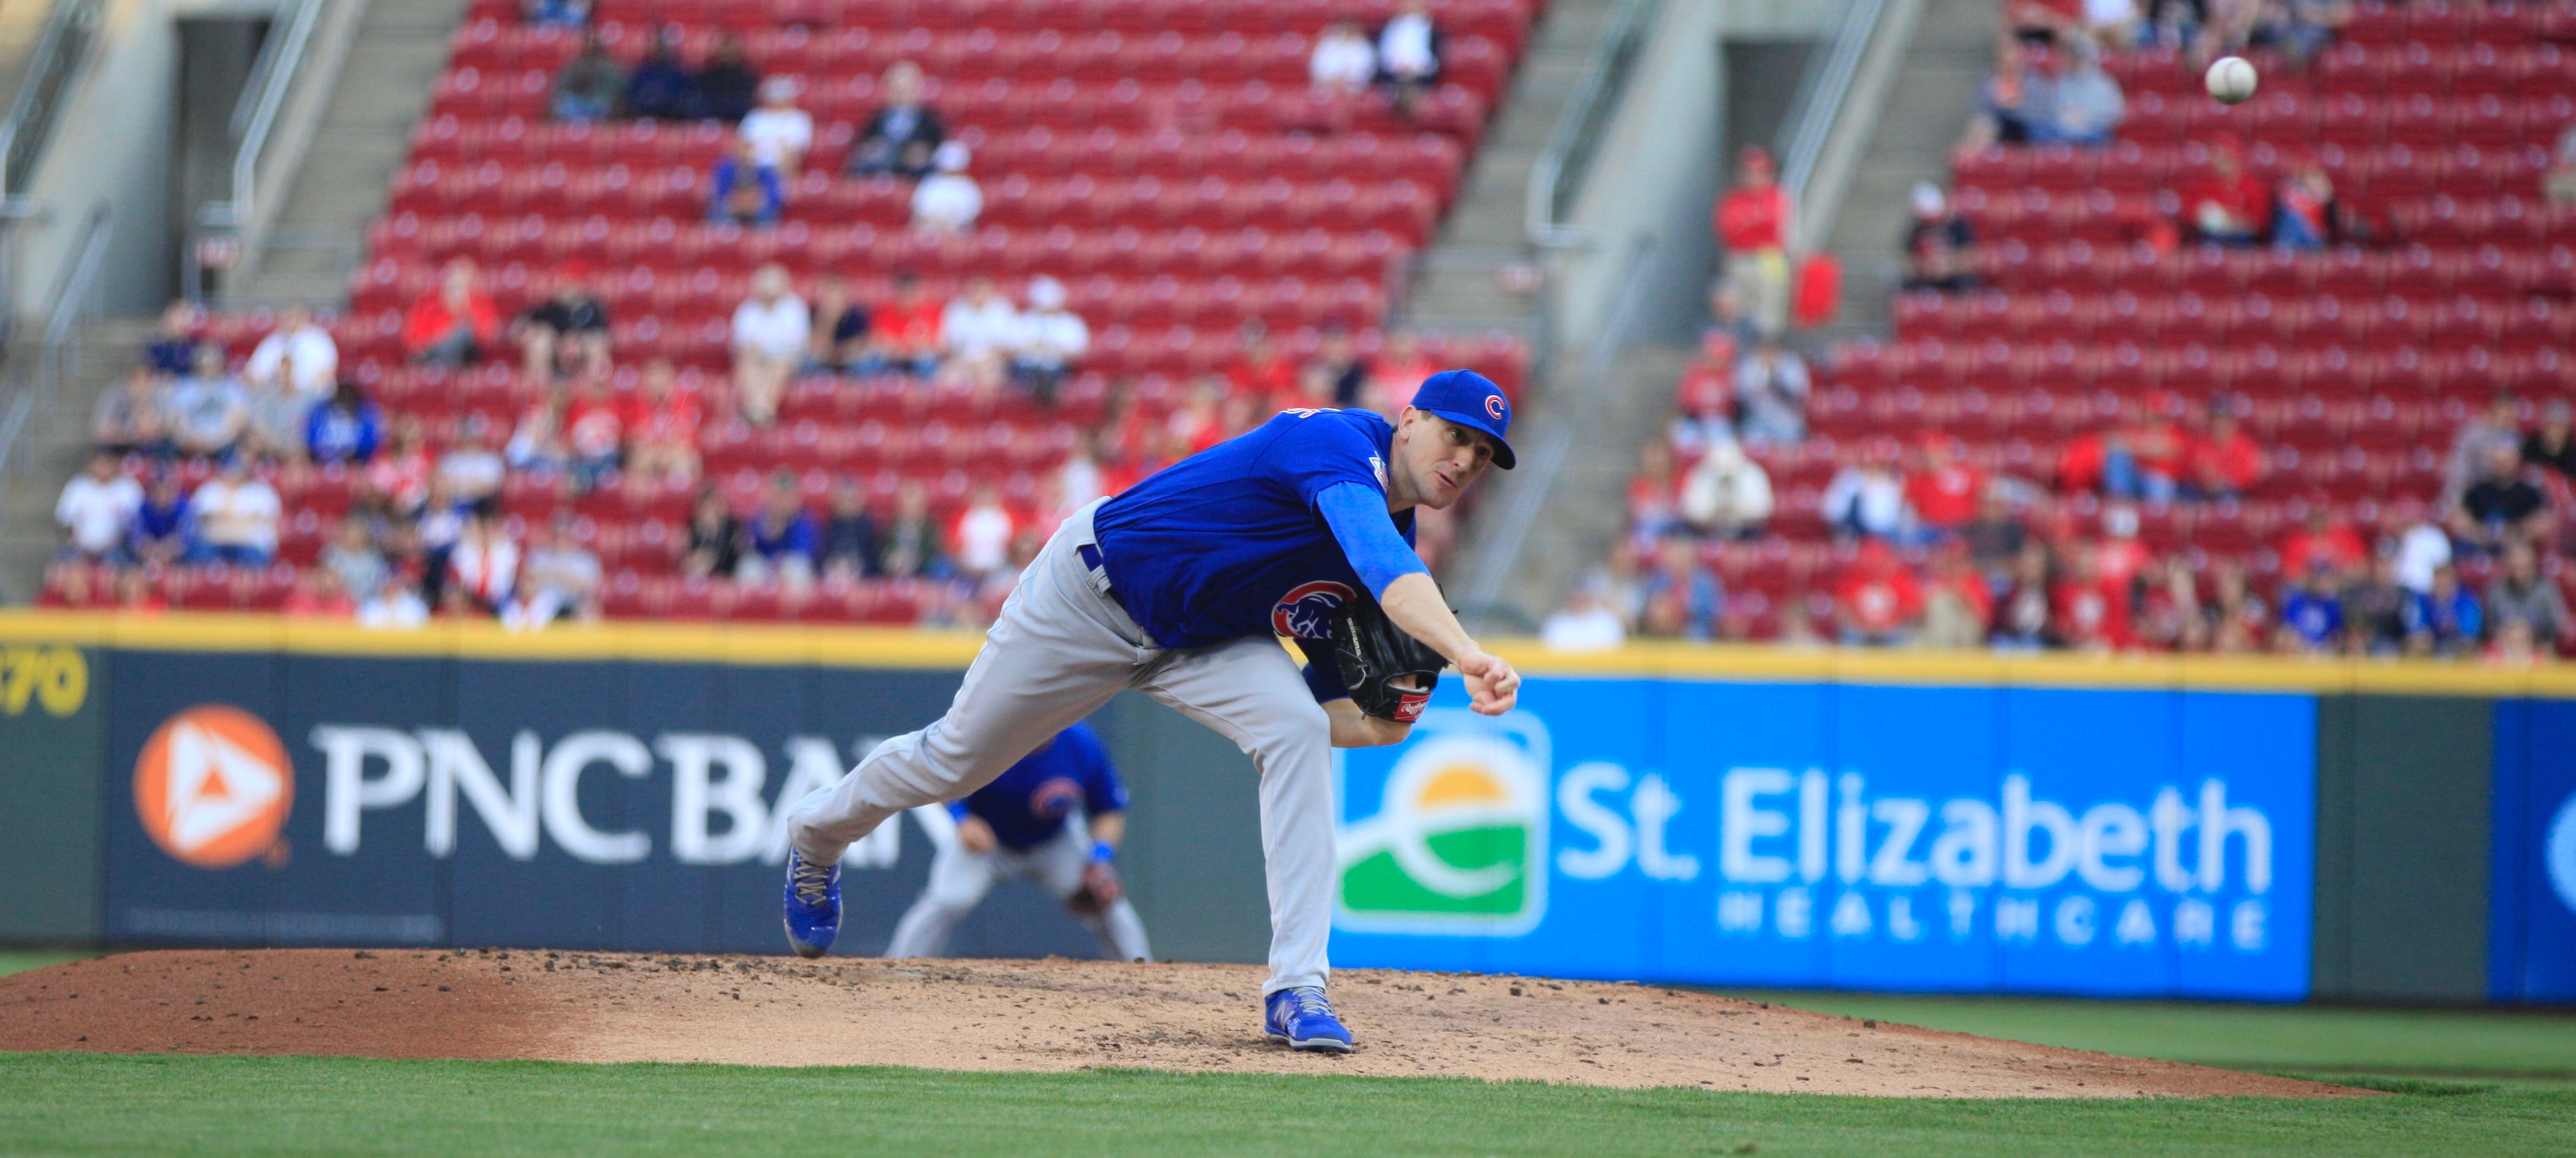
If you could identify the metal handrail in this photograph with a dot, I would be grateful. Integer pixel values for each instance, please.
(72, 291)
(59, 53)
(1557, 175)
(1821, 104)
(273, 74)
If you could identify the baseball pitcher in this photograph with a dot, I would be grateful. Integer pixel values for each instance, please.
(1302, 527)
(1023, 824)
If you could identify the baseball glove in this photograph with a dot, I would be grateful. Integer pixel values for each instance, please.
(1100, 889)
(1389, 674)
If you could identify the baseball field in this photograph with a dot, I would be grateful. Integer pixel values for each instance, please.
(189, 1075)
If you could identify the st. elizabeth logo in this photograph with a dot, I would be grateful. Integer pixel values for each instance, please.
(1458, 841)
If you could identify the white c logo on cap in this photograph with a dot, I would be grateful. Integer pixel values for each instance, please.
(2560, 852)
(1494, 406)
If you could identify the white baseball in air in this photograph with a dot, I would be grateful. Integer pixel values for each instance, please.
(2231, 80)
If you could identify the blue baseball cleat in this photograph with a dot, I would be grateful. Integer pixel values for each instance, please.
(813, 905)
(1303, 1019)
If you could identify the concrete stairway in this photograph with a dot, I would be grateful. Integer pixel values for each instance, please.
(22, 24)
(1456, 287)
(383, 91)
(1952, 53)
(52, 449)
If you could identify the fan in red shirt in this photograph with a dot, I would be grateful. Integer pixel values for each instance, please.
(2222, 463)
(1944, 491)
(454, 323)
(594, 428)
(2229, 206)
(1753, 221)
(1878, 601)
(903, 334)
(2324, 540)
(1262, 373)
(662, 432)
(1706, 394)
(2091, 611)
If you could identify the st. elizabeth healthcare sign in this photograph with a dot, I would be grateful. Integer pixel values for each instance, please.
(2110, 842)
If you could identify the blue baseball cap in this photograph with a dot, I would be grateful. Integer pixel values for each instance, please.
(1469, 399)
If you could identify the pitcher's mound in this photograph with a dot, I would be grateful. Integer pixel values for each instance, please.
(1022, 1015)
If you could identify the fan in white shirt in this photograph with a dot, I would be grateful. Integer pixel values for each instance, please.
(97, 508)
(1052, 338)
(980, 323)
(770, 329)
(1344, 60)
(779, 132)
(984, 535)
(237, 515)
(300, 349)
(1405, 48)
(947, 201)
(484, 564)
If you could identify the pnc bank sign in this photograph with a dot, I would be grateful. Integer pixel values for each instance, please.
(214, 786)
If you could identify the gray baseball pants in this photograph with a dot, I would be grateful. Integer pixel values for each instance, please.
(1062, 647)
(959, 879)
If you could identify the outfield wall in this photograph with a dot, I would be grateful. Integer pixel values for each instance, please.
(2267, 830)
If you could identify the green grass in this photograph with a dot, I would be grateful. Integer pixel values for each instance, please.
(22, 960)
(83, 1104)
(2270, 1037)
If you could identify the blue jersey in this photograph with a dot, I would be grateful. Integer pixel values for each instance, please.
(1027, 805)
(1228, 543)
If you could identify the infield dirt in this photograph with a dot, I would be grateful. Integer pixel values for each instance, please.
(1024, 1015)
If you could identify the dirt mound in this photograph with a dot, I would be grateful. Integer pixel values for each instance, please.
(1022, 1015)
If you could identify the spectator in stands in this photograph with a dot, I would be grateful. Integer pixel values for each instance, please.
(1877, 602)
(1726, 314)
(2223, 462)
(2229, 206)
(172, 352)
(1654, 497)
(556, 13)
(850, 535)
(1938, 244)
(2143, 460)
(2089, 610)
(2311, 612)
(595, 429)
(904, 132)
(161, 526)
(567, 333)
(2560, 182)
(2374, 610)
(2474, 444)
(472, 466)
(1680, 598)
(591, 84)
(317, 594)
(299, 352)
(1996, 536)
(2553, 443)
(1052, 340)
(537, 445)
(431, 538)
(132, 416)
(662, 446)
(2325, 540)
(2443, 619)
(1726, 495)
(1587, 622)
(561, 579)
(2173, 23)
(1942, 490)
(397, 480)
(744, 191)
(983, 535)
(979, 325)
(2112, 23)
(1771, 388)
(1344, 62)
(1409, 52)
(2304, 210)
(209, 410)
(947, 201)
(2242, 623)
(728, 84)
(2300, 29)
(2084, 104)
(396, 606)
(2169, 615)
(780, 133)
(713, 546)
(2023, 613)
(1704, 399)
(1957, 605)
(1337, 359)
(236, 516)
(911, 546)
(1261, 372)
(483, 566)
(780, 541)
(352, 556)
(660, 88)
(2501, 508)
(770, 331)
(1754, 224)
(277, 422)
(903, 335)
(2422, 548)
(452, 324)
(837, 341)
(1866, 498)
(96, 511)
(1396, 372)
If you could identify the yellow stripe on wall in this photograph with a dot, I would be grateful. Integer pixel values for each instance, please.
(882, 647)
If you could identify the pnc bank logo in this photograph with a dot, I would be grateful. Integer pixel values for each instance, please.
(213, 786)
(1458, 844)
